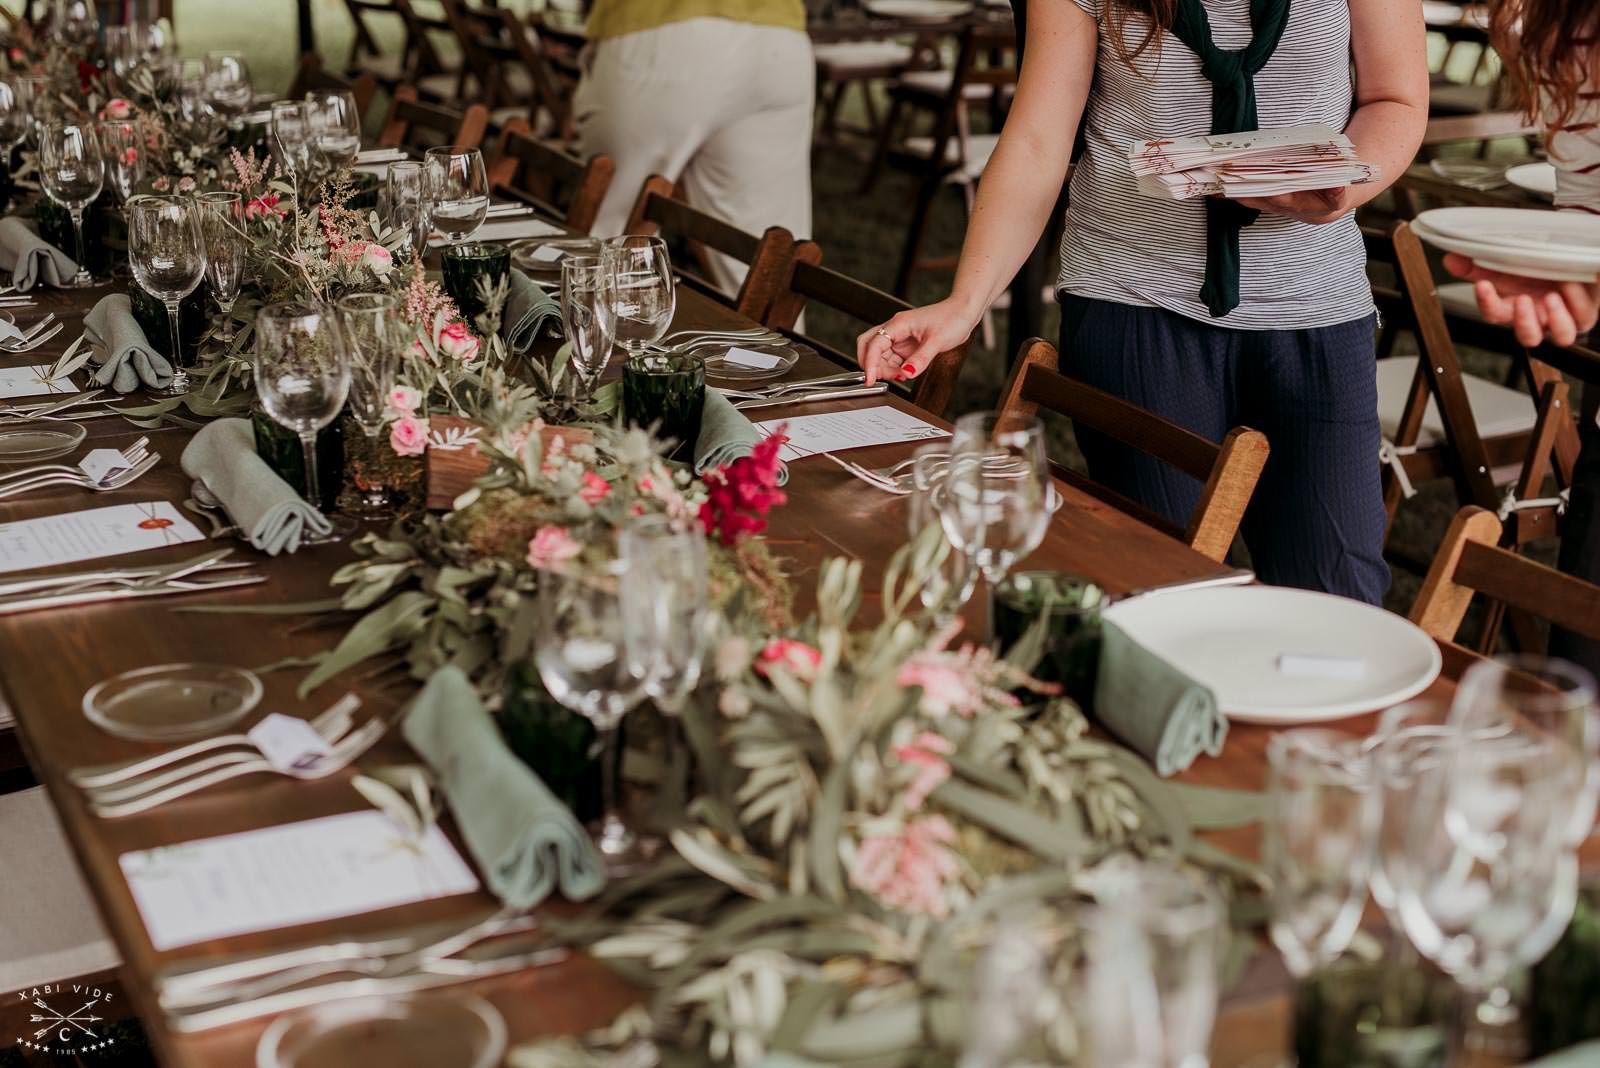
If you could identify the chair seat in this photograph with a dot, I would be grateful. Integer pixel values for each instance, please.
(49, 927)
(938, 82)
(1499, 411)
(979, 148)
(1460, 298)
(439, 86)
(852, 58)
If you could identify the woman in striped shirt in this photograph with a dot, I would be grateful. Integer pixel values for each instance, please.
(1213, 314)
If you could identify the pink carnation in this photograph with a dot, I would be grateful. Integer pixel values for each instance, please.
(799, 658)
(594, 488)
(404, 400)
(909, 868)
(409, 436)
(457, 342)
(551, 546)
(927, 755)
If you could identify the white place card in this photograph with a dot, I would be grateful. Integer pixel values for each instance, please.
(547, 254)
(92, 534)
(286, 876)
(101, 462)
(838, 431)
(507, 230)
(31, 382)
(755, 361)
(287, 741)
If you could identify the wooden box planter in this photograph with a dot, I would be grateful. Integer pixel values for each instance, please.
(454, 462)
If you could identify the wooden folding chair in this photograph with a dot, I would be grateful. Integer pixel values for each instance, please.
(1471, 562)
(658, 211)
(428, 39)
(367, 56)
(548, 178)
(809, 284)
(409, 117)
(310, 77)
(1229, 471)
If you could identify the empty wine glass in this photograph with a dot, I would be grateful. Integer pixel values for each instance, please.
(125, 157)
(407, 203)
(225, 253)
(72, 171)
(370, 323)
(194, 99)
(227, 83)
(291, 137)
(37, 102)
(74, 22)
(14, 121)
(124, 49)
(303, 377)
(951, 584)
(586, 316)
(643, 293)
(166, 250)
(995, 502)
(583, 662)
(458, 191)
(335, 128)
(665, 607)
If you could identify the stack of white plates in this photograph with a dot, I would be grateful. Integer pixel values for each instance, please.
(918, 10)
(1557, 246)
(1537, 178)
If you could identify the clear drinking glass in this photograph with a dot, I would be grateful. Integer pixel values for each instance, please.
(458, 191)
(370, 323)
(583, 662)
(952, 584)
(291, 137)
(72, 171)
(995, 502)
(227, 82)
(225, 253)
(124, 49)
(166, 250)
(14, 121)
(303, 377)
(335, 127)
(586, 317)
(643, 292)
(665, 607)
(407, 203)
(124, 155)
(1315, 845)
(37, 102)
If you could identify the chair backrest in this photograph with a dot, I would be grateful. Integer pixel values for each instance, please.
(364, 41)
(1471, 562)
(483, 53)
(658, 211)
(1486, 126)
(1229, 471)
(424, 35)
(545, 176)
(310, 76)
(812, 285)
(409, 117)
(986, 56)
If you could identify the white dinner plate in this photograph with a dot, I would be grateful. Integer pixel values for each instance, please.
(1534, 228)
(1230, 639)
(1565, 263)
(918, 10)
(1537, 178)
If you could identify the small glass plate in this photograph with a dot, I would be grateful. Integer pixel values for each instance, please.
(785, 353)
(172, 701)
(414, 1031)
(523, 252)
(38, 439)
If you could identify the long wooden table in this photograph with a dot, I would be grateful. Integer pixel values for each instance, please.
(48, 659)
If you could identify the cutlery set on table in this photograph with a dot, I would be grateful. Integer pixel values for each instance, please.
(198, 575)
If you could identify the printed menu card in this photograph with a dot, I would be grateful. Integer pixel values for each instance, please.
(92, 534)
(837, 431)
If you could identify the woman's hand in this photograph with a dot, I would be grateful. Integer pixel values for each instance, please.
(903, 347)
(1534, 308)
(1316, 206)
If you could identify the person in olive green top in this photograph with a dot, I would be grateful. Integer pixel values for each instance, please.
(716, 95)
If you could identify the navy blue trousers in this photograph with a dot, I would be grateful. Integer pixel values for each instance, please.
(1317, 519)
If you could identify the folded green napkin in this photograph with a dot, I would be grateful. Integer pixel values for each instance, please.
(726, 434)
(1156, 709)
(273, 516)
(1585, 1055)
(525, 840)
(528, 308)
(30, 258)
(124, 353)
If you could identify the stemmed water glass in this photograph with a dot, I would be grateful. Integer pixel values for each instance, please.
(370, 323)
(14, 121)
(995, 502)
(643, 292)
(37, 103)
(167, 252)
(225, 253)
(227, 83)
(303, 377)
(951, 584)
(124, 155)
(584, 664)
(458, 191)
(665, 607)
(72, 171)
(586, 316)
(291, 137)
(407, 203)
(335, 128)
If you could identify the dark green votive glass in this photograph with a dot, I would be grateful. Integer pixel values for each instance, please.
(464, 266)
(1389, 1013)
(193, 318)
(280, 448)
(1071, 655)
(665, 391)
(556, 743)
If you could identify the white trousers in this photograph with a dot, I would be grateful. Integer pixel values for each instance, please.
(723, 108)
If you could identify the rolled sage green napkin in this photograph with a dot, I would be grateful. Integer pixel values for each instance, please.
(526, 841)
(272, 516)
(30, 258)
(1159, 711)
(726, 434)
(1584, 1055)
(528, 308)
(124, 353)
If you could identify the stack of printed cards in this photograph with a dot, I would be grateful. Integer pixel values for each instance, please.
(1262, 163)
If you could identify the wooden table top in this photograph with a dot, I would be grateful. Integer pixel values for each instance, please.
(48, 659)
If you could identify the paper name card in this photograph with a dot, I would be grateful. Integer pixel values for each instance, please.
(92, 534)
(508, 230)
(751, 360)
(838, 431)
(31, 382)
(290, 875)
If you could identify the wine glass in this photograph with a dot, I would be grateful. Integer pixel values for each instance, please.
(581, 656)
(124, 155)
(335, 127)
(225, 253)
(37, 102)
(370, 323)
(458, 191)
(995, 502)
(75, 22)
(303, 377)
(124, 49)
(665, 607)
(227, 83)
(586, 316)
(407, 203)
(72, 171)
(194, 98)
(166, 250)
(643, 293)
(14, 121)
(291, 137)
(951, 585)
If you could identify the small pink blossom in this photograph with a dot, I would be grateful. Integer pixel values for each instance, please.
(17, 55)
(594, 488)
(551, 546)
(262, 206)
(404, 400)
(162, 184)
(947, 686)
(927, 755)
(800, 659)
(409, 436)
(909, 868)
(116, 109)
(377, 259)
(130, 155)
(457, 342)
(186, 184)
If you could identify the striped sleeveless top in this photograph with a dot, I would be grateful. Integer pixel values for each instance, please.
(1124, 247)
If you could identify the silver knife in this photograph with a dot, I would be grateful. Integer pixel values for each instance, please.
(1236, 577)
(9, 589)
(165, 575)
(68, 600)
(38, 408)
(807, 398)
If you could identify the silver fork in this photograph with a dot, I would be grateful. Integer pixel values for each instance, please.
(35, 335)
(348, 751)
(114, 480)
(335, 721)
(133, 454)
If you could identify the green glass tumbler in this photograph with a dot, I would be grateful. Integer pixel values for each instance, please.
(471, 272)
(280, 448)
(666, 392)
(1071, 653)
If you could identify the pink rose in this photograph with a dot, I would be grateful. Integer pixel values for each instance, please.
(551, 546)
(927, 755)
(594, 488)
(409, 436)
(186, 184)
(457, 342)
(403, 400)
(116, 109)
(377, 259)
(909, 868)
(798, 658)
